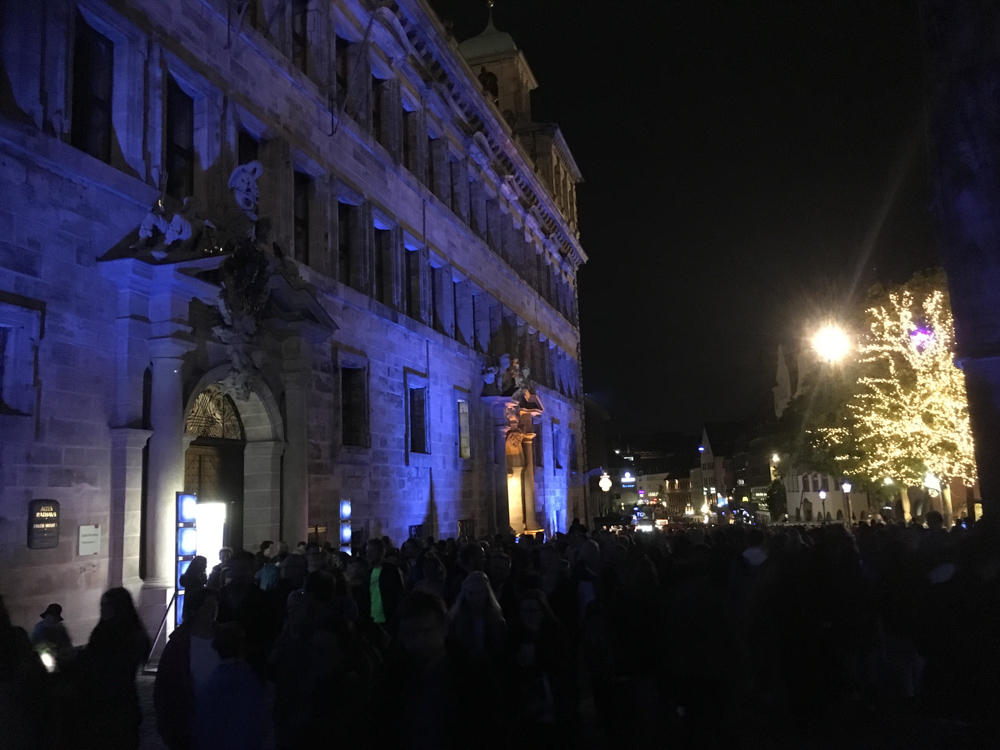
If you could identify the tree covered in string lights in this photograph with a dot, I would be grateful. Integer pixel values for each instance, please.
(909, 411)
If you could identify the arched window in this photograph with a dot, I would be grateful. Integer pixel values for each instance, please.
(490, 84)
(840, 515)
(214, 415)
(806, 483)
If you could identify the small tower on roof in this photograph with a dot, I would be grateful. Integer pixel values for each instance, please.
(503, 71)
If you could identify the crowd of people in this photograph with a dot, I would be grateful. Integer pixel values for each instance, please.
(716, 637)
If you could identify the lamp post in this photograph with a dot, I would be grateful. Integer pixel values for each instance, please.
(831, 343)
(822, 499)
(846, 486)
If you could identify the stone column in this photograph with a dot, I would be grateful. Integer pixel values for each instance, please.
(297, 378)
(126, 506)
(165, 477)
(262, 493)
(528, 482)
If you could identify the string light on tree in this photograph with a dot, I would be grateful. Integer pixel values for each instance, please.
(911, 408)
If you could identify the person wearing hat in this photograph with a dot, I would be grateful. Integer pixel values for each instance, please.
(51, 634)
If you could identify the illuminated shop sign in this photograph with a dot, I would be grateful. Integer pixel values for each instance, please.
(43, 524)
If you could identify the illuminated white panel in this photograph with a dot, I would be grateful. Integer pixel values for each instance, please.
(211, 523)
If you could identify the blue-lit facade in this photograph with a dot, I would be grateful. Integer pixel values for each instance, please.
(282, 256)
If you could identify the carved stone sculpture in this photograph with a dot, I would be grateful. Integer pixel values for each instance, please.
(243, 183)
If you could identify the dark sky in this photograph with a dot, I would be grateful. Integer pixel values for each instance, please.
(748, 167)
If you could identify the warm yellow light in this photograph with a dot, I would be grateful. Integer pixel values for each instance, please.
(831, 343)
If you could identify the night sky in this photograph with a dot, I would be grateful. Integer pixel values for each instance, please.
(749, 167)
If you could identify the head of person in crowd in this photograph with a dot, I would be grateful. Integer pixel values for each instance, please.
(241, 569)
(410, 551)
(198, 566)
(117, 606)
(432, 567)
(471, 557)
(320, 585)
(201, 607)
(534, 611)
(357, 570)
(499, 569)
(935, 521)
(477, 596)
(301, 608)
(317, 559)
(293, 570)
(230, 641)
(375, 552)
(225, 555)
(423, 626)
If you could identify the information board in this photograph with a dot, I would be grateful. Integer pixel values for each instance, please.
(90, 540)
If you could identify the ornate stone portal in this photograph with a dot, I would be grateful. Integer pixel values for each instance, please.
(508, 387)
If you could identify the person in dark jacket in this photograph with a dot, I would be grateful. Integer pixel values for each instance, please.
(242, 601)
(187, 662)
(380, 598)
(109, 708)
(437, 700)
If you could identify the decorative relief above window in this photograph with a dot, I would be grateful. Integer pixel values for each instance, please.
(214, 415)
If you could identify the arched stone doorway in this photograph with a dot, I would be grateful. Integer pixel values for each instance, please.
(233, 454)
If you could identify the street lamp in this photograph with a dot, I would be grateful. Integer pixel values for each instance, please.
(831, 343)
(846, 486)
(822, 498)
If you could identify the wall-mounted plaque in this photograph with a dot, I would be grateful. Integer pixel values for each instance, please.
(90, 540)
(43, 524)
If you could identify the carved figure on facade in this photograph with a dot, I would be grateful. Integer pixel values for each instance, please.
(243, 183)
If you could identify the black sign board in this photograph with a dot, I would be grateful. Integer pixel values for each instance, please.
(43, 524)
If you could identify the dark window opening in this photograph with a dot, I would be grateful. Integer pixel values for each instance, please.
(300, 35)
(300, 201)
(383, 265)
(93, 72)
(412, 290)
(247, 148)
(435, 311)
(418, 419)
(180, 141)
(343, 66)
(431, 148)
(409, 128)
(377, 124)
(354, 409)
(345, 230)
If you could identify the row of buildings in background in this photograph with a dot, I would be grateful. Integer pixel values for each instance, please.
(735, 471)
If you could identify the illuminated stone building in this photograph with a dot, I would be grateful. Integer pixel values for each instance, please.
(273, 253)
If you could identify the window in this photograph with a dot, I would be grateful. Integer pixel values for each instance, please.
(409, 133)
(342, 63)
(353, 405)
(300, 212)
(556, 457)
(247, 148)
(20, 329)
(573, 459)
(466, 528)
(412, 290)
(93, 69)
(346, 216)
(377, 124)
(431, 166)
(383, 266)
(464, 437)
(417, 417)
(806, 483)
(180, 141)
(300, 34)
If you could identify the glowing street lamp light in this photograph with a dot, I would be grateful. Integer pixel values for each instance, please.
(775, 458)
(846, 487)
(605, 482)
(831, 343)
